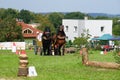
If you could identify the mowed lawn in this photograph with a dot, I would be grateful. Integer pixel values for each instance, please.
(67, 67)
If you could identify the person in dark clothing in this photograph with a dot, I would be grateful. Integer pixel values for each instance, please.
(60, 33)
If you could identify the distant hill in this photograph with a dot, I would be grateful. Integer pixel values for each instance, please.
(103, 14)
(90, 14)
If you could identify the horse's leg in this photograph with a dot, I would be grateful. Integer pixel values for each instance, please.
(59, 50)
(47, 49)
(55, 51)
(63, 49)
(50, 49)
(44, 50)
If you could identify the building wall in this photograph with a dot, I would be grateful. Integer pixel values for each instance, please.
(95, 27)
(70, 32)
(98, 27)
(81, 27)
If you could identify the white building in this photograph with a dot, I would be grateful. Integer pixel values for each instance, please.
(75, 27)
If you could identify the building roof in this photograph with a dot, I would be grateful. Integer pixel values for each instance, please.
(28, 31)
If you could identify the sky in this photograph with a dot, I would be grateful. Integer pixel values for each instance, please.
(85, 6)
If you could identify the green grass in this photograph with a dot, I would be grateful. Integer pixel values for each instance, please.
(68, 67)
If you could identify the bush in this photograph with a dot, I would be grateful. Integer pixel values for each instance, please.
(117, 56)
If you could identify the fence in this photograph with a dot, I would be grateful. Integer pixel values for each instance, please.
(10, 45)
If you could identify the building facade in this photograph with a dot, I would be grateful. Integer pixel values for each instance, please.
(29, 33)
(96, 28)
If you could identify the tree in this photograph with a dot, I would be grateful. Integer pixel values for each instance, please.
(102, 17)
(44, 22)
(25, 15)
(10, 31)
(2, 10)
(116, 30)
(56, 19)
(4, 13)
(83, 40)
(80, 41)
(74, 15)
(116, 26)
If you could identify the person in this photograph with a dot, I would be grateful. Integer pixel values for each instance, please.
(39, 42)
(46, 41)
(35, 46)
(60, 33)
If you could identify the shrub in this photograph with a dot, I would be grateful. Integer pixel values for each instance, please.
(117, 56)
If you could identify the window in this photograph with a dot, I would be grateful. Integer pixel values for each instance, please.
(75, 28)
(66, 28)
(27, 31)
(102, 28)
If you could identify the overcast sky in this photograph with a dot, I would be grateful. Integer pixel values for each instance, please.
(85, 6)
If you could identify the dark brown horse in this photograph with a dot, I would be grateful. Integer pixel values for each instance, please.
(58, 45)
(59, 41)
(46, 41)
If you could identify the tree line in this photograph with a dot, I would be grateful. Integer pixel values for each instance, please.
(8, 25)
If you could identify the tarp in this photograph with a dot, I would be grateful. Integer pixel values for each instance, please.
(104, 37)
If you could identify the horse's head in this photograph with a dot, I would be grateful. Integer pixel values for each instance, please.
(47, 29)
(47, 32)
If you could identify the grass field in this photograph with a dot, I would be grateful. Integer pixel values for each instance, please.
(68, 67)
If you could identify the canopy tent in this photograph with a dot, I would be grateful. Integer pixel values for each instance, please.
(118, 38)
(104, 37)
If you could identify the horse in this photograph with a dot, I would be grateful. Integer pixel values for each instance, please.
(46, 42)
(58, 44)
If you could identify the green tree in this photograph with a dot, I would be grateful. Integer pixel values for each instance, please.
(116, 26)
(116, 30)
(25, 15)
(83, 40)
(80, 41)
(74, 15)
(102, 17)
(4, 13)
(10, 31)
(2, 10)
(56, 18)
(44, 22)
